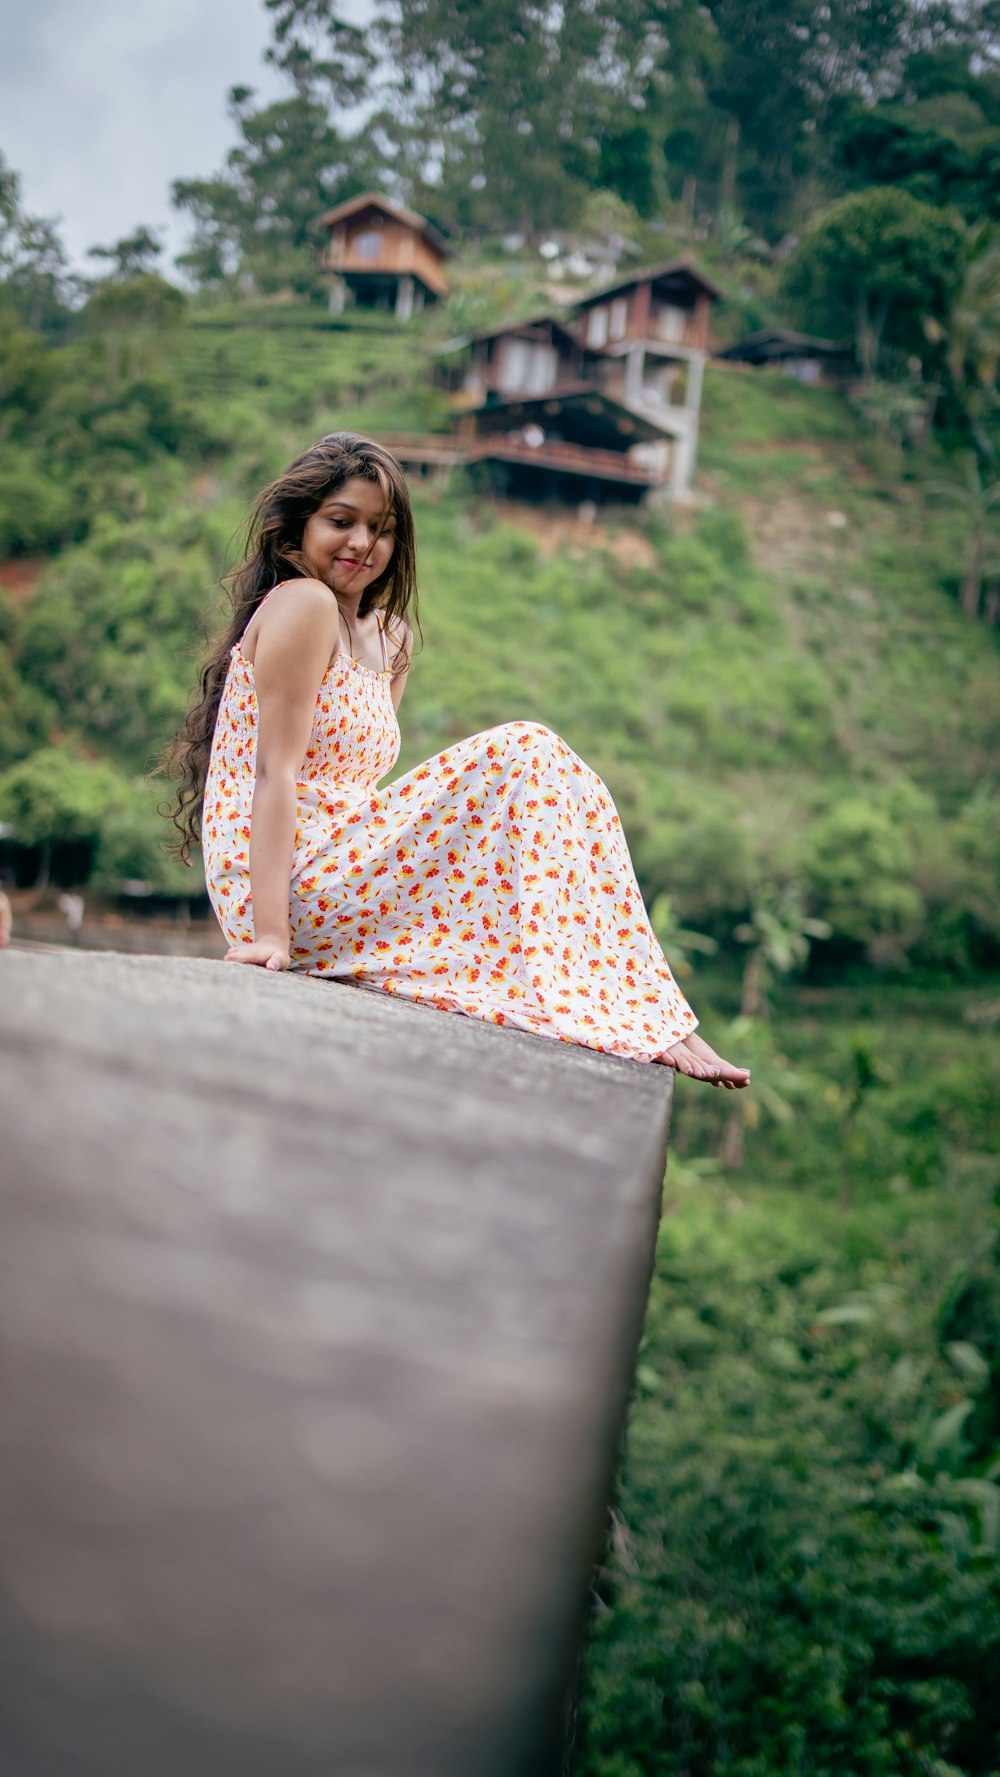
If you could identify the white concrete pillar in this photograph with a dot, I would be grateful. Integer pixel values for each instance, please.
(635, 360)
(338, 296)
(404, 299)
(685, 450)
(682, 462)
(692, 390)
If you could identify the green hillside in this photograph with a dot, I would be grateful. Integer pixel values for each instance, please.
(800, 727)
(778, 686)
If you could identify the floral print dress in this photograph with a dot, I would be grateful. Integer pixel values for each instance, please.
(493, 880)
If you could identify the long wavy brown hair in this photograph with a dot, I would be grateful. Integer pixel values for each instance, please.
(273, 555)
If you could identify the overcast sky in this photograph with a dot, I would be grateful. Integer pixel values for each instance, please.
(104, 102)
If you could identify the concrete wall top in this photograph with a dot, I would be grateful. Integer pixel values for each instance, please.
(318, 1313)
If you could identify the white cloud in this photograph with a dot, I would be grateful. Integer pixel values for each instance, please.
(102, 106)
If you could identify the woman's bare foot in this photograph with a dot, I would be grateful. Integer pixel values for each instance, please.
(694, 1058)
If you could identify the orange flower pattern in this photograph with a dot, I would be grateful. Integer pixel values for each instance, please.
(493, 880)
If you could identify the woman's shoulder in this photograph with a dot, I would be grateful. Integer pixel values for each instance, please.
(293, 613)
(296, 605)
(301, 593)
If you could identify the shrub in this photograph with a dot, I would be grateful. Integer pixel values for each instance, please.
(55, 795)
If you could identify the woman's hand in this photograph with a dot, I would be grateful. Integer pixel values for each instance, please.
(267, 953)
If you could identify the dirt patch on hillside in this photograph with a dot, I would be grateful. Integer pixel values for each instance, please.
(18, 576)
(785, 534)
(805, 447)
(565, 529)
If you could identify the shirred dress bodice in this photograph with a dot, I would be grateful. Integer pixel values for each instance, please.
(354, 739)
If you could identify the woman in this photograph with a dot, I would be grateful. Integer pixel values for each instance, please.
(493, 880)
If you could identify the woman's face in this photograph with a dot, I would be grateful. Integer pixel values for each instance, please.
(348, 541)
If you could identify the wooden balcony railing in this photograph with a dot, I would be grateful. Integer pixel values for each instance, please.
(554, 453)
(579, 459)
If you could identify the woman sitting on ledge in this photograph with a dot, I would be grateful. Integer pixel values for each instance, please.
(493, 880)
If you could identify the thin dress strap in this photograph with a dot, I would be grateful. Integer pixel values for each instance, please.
(381, 637)
(260, 607)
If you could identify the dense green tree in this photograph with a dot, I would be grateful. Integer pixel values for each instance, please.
(889, 146)
(875, 265)
(780, 61)
(56, 795)
(37, 509)
(134, 847)
(500, 102)
(892, 88)
(130, 257)
(26, 715)
(35, 280)
(27, 370)
(145, 300)
(323, 54)
(860, 862)
(255, 222)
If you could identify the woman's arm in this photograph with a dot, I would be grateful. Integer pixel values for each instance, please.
(298, 634)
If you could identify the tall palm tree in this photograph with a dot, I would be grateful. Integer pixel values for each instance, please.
(779, 936)
(981, 501)
(973, 331)
(971, 334)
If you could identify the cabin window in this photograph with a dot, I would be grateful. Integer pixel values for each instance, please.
(526, 368)
(369, 244)
(597, 327)
(670, 324)
(618, 326)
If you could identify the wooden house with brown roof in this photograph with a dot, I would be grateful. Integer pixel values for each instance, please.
(522, 357)
(648, 336)
(607, 395)
(382, 256)
(667, 305)
(572, 443)
(568, 445)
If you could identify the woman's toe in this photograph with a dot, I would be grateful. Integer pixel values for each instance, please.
(697, 1066)
(726, 1071)
(681, 1058)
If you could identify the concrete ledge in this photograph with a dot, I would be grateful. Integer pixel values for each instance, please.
(318, 1313)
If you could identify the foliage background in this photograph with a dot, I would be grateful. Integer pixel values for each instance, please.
(792, 691)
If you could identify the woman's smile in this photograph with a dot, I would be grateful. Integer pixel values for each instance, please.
(350, 538)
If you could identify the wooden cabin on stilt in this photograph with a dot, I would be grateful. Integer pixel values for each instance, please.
(382, 256)
(600, 403)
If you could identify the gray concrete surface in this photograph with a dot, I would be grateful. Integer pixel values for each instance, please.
(317, 1317)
